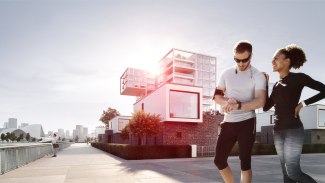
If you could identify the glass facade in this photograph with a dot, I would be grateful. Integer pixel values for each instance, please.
(189, 68)
(183, 105)
(321, 117)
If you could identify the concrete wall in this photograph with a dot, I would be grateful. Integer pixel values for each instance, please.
(175, 133)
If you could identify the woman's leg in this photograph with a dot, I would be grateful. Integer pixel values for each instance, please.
(279, 146)
(294, 139)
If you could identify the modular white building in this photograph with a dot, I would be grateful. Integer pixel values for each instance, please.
(174, 103)
(312, 116)
(181, 91)
(118, 123)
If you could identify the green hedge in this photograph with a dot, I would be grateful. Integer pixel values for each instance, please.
(135, 152)
(258, 149)
(313, 148)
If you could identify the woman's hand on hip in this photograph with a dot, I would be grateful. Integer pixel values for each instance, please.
(297, 109)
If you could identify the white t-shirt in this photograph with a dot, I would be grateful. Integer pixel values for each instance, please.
(54, 139)
(241, 85)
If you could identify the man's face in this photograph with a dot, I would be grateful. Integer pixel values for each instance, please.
(242, 60)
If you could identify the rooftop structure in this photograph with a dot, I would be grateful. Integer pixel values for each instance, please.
(176, 67)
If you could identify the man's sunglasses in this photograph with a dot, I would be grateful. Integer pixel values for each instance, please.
(242, 60)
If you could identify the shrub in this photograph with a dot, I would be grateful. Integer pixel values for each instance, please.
(135, 152)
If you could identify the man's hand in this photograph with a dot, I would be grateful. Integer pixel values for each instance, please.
(230, 107)
(297, 109)
(232, 104)
(232, 101)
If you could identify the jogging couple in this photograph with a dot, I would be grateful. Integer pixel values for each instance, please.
(242, 89)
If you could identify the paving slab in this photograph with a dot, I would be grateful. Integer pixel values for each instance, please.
(82, 163)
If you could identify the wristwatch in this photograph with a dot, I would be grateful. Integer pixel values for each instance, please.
(239, 105)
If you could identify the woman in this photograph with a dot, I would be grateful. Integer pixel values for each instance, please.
(285, 96)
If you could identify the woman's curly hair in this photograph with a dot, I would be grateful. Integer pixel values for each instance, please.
(295, 54)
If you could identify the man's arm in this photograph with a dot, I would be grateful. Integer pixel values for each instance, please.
(219, 97)
(257, 102)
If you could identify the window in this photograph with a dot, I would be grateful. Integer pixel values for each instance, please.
(122, 123)
(321, 117)
(184, 104)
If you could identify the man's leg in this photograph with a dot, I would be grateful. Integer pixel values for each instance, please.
(246, 140)
(226, 141)
(246, 176)
(227, 175)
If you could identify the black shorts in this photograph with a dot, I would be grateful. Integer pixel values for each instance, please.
(231, 132)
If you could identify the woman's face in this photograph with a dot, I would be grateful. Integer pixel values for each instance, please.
(280, 62)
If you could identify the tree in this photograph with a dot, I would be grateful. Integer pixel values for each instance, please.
(3, 137)
(76, 138)
(144, 124)
(12, 136)
(21, 136)
(7, 137)
(125, 132)
(109, 114)
(27, 137)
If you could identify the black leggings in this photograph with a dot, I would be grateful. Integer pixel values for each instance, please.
(231, 132)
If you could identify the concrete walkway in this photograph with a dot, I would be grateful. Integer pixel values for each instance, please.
(81, 163)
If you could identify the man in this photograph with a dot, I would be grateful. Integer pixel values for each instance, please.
(240, 90)
(55, 145)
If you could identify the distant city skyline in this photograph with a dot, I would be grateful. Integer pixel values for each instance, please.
(61, 61)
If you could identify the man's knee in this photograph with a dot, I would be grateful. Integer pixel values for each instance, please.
(245, 163)
(221, 163)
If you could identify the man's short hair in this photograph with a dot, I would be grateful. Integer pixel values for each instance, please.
(242, 46)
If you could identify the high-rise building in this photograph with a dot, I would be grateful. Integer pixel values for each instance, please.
(23, 125)
(67, 134)
(5, 125)
(61, 133)
(12, 123)
(74, 134)
(79, 132)
(85, 132)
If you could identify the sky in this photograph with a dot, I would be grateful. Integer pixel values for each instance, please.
(61, 61)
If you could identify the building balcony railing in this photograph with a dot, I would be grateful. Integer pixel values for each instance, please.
(183, 75)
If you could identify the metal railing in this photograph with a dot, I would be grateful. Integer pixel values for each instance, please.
(13, 156)
(206, 151)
